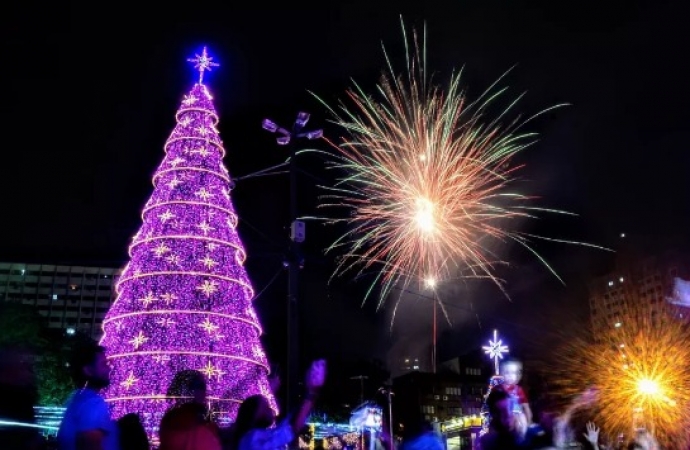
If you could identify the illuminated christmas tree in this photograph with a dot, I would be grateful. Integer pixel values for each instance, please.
(184, 299)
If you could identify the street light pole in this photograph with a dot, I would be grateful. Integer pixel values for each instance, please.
(294, 260)
(388, 391)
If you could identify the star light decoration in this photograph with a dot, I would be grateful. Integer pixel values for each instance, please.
(496, 349)
(129, 381)
(202, 63)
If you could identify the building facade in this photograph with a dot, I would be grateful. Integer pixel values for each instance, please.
(636, 280)
(450, 400)
(72, 298)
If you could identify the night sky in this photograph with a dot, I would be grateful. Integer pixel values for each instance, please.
(93, 89)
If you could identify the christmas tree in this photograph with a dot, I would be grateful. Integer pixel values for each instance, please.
(184, 300)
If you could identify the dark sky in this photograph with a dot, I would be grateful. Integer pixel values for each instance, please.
(91, 89)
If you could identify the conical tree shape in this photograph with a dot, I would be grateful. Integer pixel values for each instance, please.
(184, 299)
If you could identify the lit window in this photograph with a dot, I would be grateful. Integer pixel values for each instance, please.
(621, 279)
(610, 283)
(70, 331)
(617, 325)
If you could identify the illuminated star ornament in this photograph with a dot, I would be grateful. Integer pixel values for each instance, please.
(495, 349)
(202, 63)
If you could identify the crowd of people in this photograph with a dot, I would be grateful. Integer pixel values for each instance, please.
(87, 424)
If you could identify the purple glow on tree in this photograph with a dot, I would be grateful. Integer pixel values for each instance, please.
(184, 299)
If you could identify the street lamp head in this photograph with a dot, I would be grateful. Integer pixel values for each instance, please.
(283, 140)
(302, 119)
(316, 134)
(269, 125)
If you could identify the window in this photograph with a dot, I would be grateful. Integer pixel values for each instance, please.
(452, 391)
(428, 409)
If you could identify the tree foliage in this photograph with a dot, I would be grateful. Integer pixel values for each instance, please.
(22, 326)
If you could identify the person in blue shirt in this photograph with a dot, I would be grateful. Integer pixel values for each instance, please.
(87, 424)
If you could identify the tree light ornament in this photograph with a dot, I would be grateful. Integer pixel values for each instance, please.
(495, 350)
(202, 63)
(184, 299)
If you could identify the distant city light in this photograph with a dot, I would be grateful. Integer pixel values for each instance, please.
(610, 283)
(617, 324)
(621, 279)
(70, 331)
(622, 235)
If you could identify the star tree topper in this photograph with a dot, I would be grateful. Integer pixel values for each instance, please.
(202, 63)
(495, 350)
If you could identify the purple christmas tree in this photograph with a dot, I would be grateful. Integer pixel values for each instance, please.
(184, 300)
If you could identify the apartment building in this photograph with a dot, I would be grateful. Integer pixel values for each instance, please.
(73, 298)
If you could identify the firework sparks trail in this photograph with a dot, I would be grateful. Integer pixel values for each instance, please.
(427, 184)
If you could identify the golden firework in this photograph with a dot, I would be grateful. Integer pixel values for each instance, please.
(639, 365)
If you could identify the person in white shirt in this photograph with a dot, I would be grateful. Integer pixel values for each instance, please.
(252, 430)
(86, 424)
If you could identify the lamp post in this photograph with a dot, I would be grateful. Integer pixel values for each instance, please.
(430, 283)
(294, 260)
(388, 392)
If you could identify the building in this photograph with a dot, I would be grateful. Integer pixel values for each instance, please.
(410, 364)
(426, 396)
(73, 298)
(474, 373)
(451, 399)
(637, 278)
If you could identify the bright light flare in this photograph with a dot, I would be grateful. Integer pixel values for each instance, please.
(648, 387)
(430, 282)
(424, 215)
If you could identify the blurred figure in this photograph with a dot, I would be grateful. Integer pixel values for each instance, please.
(18, 396)
(540, 435)
(511, 370)
(132, 433)
(644, 440)
(87, 424)
(503, 431)
(186, 426)
(255, 417)
(422, 437)
(563, 434)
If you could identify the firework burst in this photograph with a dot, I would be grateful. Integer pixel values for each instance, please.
(428, 179)
(640, 369)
